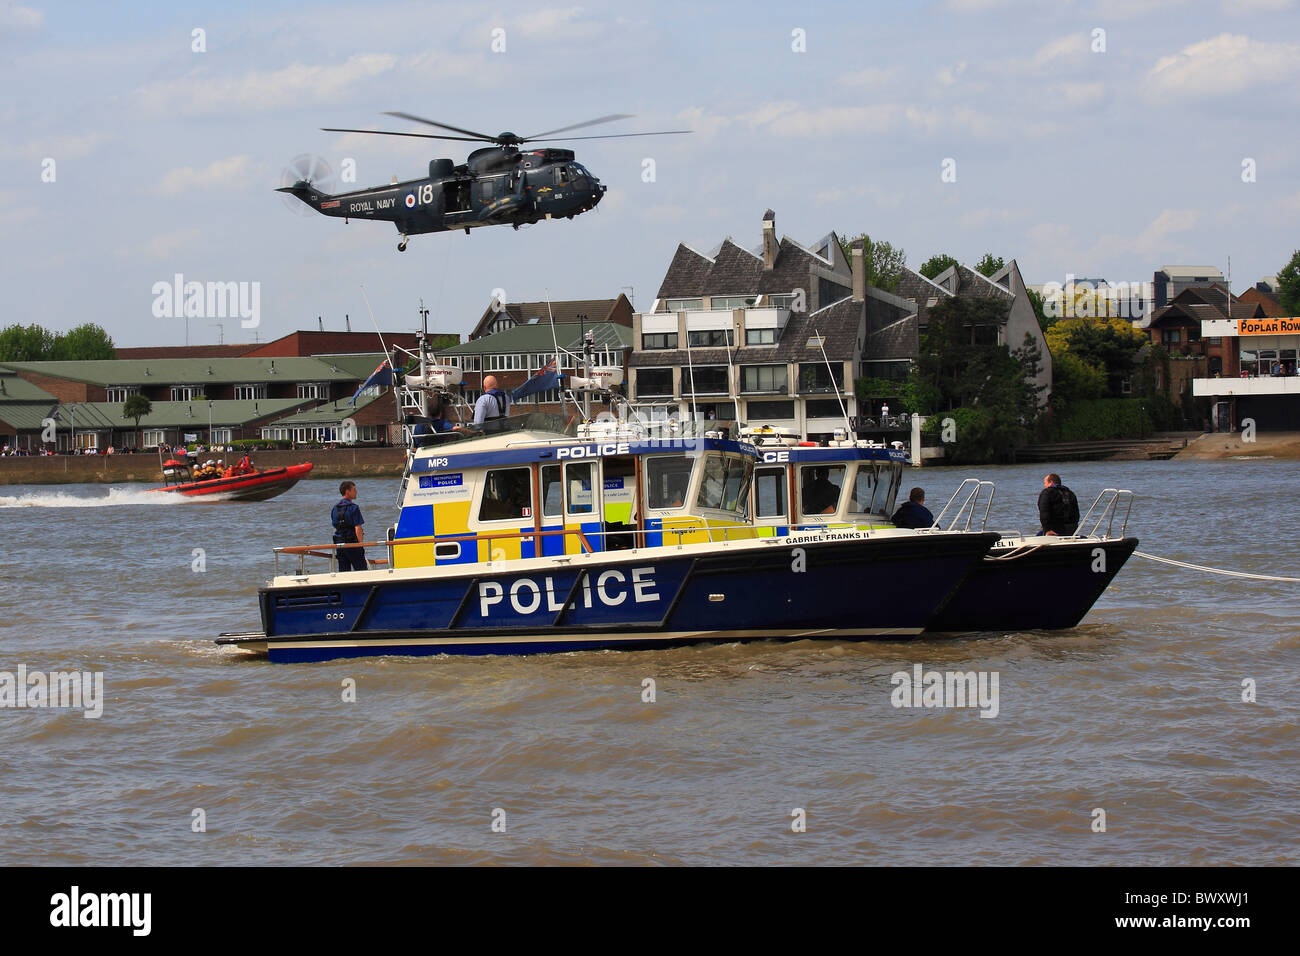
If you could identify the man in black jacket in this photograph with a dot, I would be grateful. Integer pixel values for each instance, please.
(1058, 509)
(913, 513)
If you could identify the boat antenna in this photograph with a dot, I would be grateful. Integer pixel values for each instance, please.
(376, 324)
(690, 364)
(848, 428)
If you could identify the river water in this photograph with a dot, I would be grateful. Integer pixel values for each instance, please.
(1137, 713)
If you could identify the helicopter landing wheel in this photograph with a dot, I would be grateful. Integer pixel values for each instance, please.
(401, 246)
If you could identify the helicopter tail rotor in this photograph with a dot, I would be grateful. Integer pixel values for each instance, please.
(305, 174)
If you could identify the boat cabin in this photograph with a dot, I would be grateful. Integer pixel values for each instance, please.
(801, 488)
(177, 472)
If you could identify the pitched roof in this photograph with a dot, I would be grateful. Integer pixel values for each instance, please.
(1270, 302)
(188, 371)
(328, 413)
(1190, 272)
(16, 389)
(541, 313)
(735, 270)
(538, 338)
(919, 290)
(898, 340)
(95, 415)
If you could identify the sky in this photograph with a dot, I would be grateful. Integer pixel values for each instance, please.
(1102, 138)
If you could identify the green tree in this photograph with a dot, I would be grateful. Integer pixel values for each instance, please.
(86, 342)
(989, 264)
(25, 343)
(884, 263)
(1045, 321)
(1288, 281)
(937, 264)
(136, 407)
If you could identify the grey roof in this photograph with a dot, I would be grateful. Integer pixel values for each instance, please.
(898, 340)
(737, 271)
(15, 389)
(189, 371)
(95, 415)
(919, 290)
(538, 338)
(1190, 272)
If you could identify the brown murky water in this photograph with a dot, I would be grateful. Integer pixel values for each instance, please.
(1138, 712)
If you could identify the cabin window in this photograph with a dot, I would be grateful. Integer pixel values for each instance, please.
(865, 487)
(887, 479)
(819, 488)
(552, 489)
(507, 495)
(769, 493)
(725, 483)
(578, 482)
(668, 479)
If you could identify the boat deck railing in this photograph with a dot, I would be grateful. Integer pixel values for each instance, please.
(1106, 508)
(966, 500)
(329, 552)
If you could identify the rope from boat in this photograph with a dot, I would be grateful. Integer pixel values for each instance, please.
(1020, 552)
(1198, 567)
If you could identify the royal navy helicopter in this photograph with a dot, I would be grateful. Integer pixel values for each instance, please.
(501, 184)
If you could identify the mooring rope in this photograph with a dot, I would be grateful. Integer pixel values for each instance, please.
(1198, 567)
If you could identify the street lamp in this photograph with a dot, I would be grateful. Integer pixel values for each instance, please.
(209, 423)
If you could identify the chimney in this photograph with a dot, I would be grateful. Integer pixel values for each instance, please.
(347, 321)
(769, 241)
(859, 272)
(320, 323)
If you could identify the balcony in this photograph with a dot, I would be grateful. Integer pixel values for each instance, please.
(1262, 385)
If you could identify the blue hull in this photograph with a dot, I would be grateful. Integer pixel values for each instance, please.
(1047, 588)
(842, 589)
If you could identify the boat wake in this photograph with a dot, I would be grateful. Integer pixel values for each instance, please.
(82, 499)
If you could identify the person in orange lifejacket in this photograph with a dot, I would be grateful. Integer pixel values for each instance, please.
(245, 466)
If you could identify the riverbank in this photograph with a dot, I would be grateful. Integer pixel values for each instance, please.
(118, 469)
(1225, 446)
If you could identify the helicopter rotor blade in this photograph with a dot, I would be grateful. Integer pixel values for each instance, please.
(386, 132)
(662, 132)
(428, 122)
(594, 122)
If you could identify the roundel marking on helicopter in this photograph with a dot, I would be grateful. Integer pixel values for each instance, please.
(410, 200)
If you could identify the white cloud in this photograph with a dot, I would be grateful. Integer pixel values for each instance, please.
(162, 247)
(949, 74)
(1239, 7)
(1154, 240)
(233, 171)
(15, 18)
(294, 85)
(1076, 95)
(553, 22)
(1228, 63)
(59, 148)
(1071, 46)
(871, 76)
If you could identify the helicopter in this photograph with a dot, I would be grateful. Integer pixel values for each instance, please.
(497, 185)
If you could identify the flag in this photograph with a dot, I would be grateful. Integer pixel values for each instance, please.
(380, 376)
(546, 378)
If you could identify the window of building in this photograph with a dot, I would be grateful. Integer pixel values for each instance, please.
(221, 436)
(685, 305)
(121, 393)
(659, 340)
(185, 393)
(985, 334)
(760, 336)
(1171, 336)
(319, 390)
(817, 377)
(247, 393)
(507, 495)
(579, 496)
(769, 493)
(763, 378)
(654, 382)
(890, 371)
(87, 440)
(1214, 340)
(275, 433)
(668, 479)
(781, 301)
(819, 488)
(552, 490)
(711, 338)
(721, 302)
(769, 411)
(707, 380)
(823, 408)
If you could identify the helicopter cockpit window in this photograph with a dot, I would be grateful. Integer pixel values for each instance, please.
(561, 175)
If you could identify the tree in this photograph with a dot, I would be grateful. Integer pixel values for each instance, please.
(989, 264)
(937, 264)
(82, 344)
(137, 407)
(883, 262)
(1045, 321)
(25, 343)
(1108, 345)
(1288, 282)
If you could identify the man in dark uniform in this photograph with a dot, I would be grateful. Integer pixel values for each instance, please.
(913, 513)
(347, 520)
(820, 494)
(1058, 509)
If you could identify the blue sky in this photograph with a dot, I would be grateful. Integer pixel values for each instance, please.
(1101, 163)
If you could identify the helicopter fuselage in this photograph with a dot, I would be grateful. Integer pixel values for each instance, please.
(495, 186)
